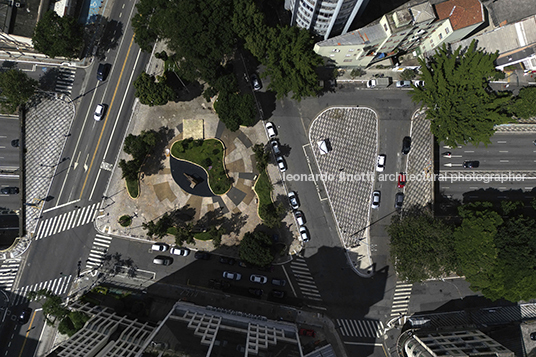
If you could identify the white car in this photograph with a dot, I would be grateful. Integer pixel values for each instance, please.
(231, 275)
(376, 199)
(259, 279)
(184, 252)
(281, 164)
(403, 84)
(293, 200)
(99, 112)
(270, 129)
(304, 234)
(380, 163)
(159, 247)
(300, 219)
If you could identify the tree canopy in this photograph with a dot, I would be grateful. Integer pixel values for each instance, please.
(524, 104)
(460, 105)
(152, 92)
(255, 248)
(57, 36)
(16, 88)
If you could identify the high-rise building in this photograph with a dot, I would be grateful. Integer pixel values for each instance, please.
(324, 17)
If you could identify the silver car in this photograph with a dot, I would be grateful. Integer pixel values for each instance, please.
(99, 112)
(184, 252)
(259, 279)
(293, 200)
(231, 275)
(376, 199)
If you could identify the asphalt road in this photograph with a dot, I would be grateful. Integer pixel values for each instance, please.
(9, 155)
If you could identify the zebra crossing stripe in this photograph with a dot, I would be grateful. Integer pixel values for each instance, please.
(360, 328)
(68, 220)
(57, 286)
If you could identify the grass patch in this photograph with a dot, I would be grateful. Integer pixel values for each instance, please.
(133, 188)
(209, 155)
(263, 188)
(125, 220)
(203, 236)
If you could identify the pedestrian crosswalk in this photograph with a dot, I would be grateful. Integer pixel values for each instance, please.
(8, 273)
(57, 286)
(360, 328)
(401, 298)
(98, 251)
(66, 221)
(64, 80)
(304, 279)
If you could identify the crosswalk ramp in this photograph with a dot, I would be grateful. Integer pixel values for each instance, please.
(360, 328)
(8, 273)
(58, 286)
(98, 251)
(304, 279)
(64, 80)
(401, 299)
(68, 220)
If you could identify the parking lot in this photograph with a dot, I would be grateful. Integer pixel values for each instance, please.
(9, 162)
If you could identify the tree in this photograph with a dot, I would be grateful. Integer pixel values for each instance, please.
(150, 92)
(271, 214)
(407, 75)
(57, 36)
(129, 169)
(52, 305)
(255, 248)
(139, 146)
(16, 89)
(421, 247)
(184, 235)
(160, 228)
(524, 105)
(262, 156)
(460, 105)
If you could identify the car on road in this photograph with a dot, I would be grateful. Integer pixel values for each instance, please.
(279, 282)
(380, 163)
(183, 252)
(306, 332)
(278, 294)
(275, 147)
(304, 234)
(401, 180)
(9, 190)
(256, 82)
(24, 316)
(227, 260)
(159, 247)
(281, 164)
(293, 200)
(376, 195)
(231, 275)
(202, 255)
(15, 143)
(406, 145)
(162, 260)
(300, 218)
(259, 279)
(399, 200)
(403, 84)
(256, 292)
(270, 129)
(533, 336)
(99, 112)
(102, 71)
(471, 164)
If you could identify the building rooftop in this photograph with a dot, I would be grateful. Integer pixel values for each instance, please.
(462, 13)
(369, 34)
(423, 12)
(504, 12)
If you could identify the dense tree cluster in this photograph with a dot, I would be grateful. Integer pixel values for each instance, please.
(255, 248)
(58, 36)
(16, 88)
(139, 147)
(460, 105)
(494, 248)
(153, 91)
(524, 104)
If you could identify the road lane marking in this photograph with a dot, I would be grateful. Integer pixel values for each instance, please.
(503, 150)
(501, 142)
(469, 151)
(504, 160)
(27, 333)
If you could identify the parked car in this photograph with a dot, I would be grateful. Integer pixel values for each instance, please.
(304, 234)
(202, 255)
(380, 163)
(376, 195)
(406, 145)
(279, 282)
(275, 147)
(293, 200)
(162, 260)
(418, 83)
(259, 279)
(256, 292)
(102, 71)
(226, 260)
(401, 180)
(256, 82)
(300, 218)
(399, 200)
(24, 316)
(281, 163)
(471, 164)
(306, 332)
(9, 190)
(403, 84)
(270, 129)
(278, 294)
(15, 143)
(99, 112)
(184, 252)
(231, 275)
(533, 336)
(159, 247)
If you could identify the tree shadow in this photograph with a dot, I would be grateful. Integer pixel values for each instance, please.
(182, 215)
(109, 40)
(113, 264)
(47, 81)
(155, 163)
(8, 65)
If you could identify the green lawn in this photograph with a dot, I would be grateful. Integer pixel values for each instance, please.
(208, 154)
(263, 188)
(133, 188)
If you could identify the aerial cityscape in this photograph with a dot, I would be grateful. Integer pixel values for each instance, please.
(292, 178)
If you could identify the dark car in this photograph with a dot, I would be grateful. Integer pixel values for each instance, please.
(102, 71)
(9, 190)
(278, 294)
(24, 316)
(471, 164)
(202, 255)
(399, 200)
(225, 260)
(533, 336)
(15, 143)
(306, 332)
(406, 145)
(256, 292)
(256, 82)
(279, 282)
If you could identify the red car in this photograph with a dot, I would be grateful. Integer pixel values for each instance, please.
(401, 180)
(307, 332)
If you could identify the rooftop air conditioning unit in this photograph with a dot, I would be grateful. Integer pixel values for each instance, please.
(17, 4)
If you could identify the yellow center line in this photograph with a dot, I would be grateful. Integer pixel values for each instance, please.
(27, 333)
(106, 119)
